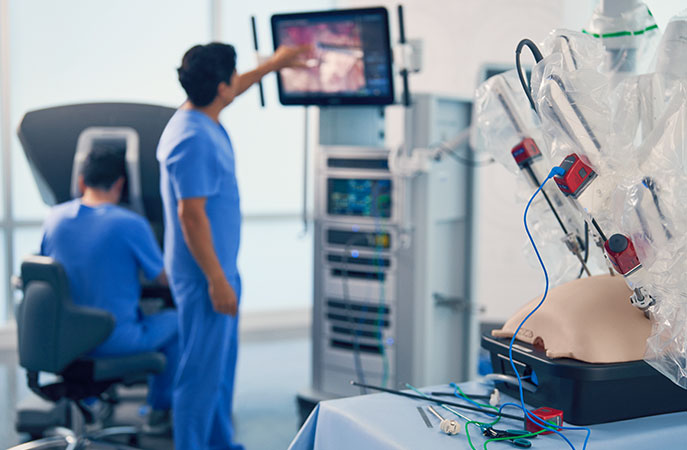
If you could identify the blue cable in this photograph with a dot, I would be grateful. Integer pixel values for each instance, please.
(555, 171)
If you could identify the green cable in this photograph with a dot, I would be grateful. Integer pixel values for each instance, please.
(483, 405)
(446, 407)
(524, 436)
(480, 425)
(475, 422)
(488, 424)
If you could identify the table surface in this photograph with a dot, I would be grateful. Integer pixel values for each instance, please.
(386, 421)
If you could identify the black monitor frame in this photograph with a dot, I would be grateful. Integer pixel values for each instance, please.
(324, 99)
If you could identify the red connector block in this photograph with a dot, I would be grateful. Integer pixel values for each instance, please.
(577, 176)
(622, 254)
(550, 415)
(525, 152)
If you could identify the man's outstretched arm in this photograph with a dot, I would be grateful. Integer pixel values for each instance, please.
(282, 58)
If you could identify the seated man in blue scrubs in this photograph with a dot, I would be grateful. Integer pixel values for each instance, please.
(103, 247)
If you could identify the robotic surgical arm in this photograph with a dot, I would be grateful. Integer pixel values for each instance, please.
(596, 172)
(572, 126)
(589, 189)
(529, 159)
(619, 137)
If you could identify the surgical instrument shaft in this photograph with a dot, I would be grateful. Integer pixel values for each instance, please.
(438, 401)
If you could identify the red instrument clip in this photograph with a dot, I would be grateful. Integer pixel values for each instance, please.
(578, 174)
(553, 416)
(525, 152)
(621, 252)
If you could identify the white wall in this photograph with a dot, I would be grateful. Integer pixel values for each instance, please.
(459, 37)
(663, 10)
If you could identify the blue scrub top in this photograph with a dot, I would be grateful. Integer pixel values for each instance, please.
(197, 160)
(102, 249)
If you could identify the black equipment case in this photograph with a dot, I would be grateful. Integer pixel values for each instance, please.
(586, 393)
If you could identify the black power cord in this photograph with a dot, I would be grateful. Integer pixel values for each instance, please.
(360, 374)
(527, 87)
(586, 248)
(350, 317)
(465, 161)
(649, 183)
(451, 150)
(537, 57)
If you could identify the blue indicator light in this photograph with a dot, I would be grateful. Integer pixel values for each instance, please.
(355, 253)
(390, 341)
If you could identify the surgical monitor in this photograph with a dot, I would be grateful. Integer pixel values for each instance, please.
(349, 62)
(360, 197)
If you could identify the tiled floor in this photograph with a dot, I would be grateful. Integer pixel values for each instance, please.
(270, 373)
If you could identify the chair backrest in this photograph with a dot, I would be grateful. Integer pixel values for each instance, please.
(52, 331)
(50, 138)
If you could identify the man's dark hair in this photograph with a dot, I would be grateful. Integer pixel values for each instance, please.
(203, 68)
(103, 166)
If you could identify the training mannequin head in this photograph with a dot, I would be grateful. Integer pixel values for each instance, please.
(103, 176)
(208, 74)
(589, 319)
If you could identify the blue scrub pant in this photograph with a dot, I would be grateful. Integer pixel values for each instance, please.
(204, 389)
(157, 332)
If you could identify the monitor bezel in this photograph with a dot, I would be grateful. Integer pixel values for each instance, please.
(336, 99)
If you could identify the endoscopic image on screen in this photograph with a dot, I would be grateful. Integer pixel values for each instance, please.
(349, 61)
(335, 63)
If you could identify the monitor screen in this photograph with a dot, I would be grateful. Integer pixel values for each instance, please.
(349, 62)
(359, 197)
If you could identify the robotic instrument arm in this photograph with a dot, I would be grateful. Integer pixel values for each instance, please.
(526, 154)
(578, 175)
(610, 18)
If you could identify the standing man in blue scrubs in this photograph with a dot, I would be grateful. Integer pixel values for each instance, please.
(202, 233)
(102, 248)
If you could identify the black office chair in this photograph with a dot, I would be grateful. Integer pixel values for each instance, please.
(55, 336)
